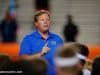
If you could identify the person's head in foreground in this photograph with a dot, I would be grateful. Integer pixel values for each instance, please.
(66, 61)
(37, 66)
(4, 62)
(82, 53)
(96, 66)
(42, 20)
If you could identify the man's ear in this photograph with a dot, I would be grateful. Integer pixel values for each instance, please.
(35, 24)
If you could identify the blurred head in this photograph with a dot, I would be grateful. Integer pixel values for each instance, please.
(8, 15)
(42, 20)
(36, 66)
(4, 62)
(70, 18)
(96, 66)
(66, 61)
(82, 53)
(39, 66)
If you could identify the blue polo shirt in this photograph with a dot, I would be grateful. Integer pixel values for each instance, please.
(34, 42)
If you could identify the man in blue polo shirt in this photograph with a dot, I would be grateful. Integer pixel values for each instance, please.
(41, 42)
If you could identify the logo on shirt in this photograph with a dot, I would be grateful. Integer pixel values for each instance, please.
(53, 42)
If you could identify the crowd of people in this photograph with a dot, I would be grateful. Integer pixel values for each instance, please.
(68, 60)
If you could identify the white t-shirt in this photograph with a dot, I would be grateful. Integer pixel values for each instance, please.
(86, 72)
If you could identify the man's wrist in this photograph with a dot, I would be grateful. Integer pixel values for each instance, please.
(41, 53)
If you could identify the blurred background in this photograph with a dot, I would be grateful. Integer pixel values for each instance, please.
(84, 15)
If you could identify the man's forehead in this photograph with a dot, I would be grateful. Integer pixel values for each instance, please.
(44, 15)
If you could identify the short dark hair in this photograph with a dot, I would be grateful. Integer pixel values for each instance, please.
(80, 48)
(84, 50)
(96, 66)
(65, 52)
(37, 66)
(4, 62)
(40, 12)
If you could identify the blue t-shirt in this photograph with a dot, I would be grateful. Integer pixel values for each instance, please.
(33, 44)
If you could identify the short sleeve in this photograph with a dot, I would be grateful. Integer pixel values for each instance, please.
(25, 47)
(60, 41)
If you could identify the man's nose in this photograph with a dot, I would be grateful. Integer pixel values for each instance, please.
(45, 21)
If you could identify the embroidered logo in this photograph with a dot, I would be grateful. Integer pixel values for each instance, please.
(53, 42)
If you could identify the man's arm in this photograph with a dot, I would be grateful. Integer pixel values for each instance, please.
(30, 57)
(38, 55)
(25, 50)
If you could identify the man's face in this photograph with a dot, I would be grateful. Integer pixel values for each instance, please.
(43, 22)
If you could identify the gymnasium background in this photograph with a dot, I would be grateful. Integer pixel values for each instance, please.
(86, 15)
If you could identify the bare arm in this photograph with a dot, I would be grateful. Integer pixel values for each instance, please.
(30, 57)
(38, 55)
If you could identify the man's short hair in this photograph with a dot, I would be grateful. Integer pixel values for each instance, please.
(4, 61)
(40, 12)
(96, 66)
(37, 66)
(67, 53)
(40, 66)
(80, 49)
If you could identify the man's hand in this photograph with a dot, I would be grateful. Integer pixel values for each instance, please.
(45, 49)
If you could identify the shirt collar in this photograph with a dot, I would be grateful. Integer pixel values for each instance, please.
(50, 35)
